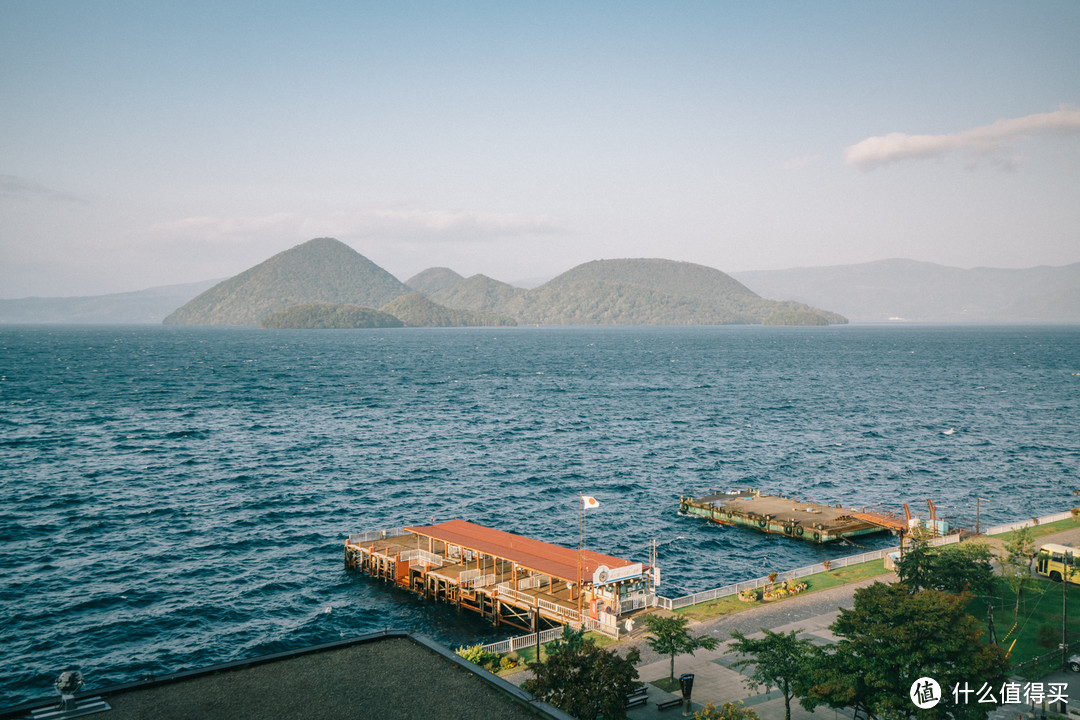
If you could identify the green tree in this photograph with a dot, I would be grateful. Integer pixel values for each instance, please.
(583, 680)
(964, 566)
(890, 639)
(915, 568)
(1016, 563)
(952, 568)
(778, 661)
(671, 637)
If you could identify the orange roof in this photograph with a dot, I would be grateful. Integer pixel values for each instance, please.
(538, 556)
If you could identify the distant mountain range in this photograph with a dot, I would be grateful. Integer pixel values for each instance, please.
(601, 292)
(139, 307)
(906, 290)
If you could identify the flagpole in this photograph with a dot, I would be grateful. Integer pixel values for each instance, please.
(581, 522)
(581, 538)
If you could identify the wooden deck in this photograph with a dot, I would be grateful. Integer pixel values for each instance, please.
(781, 515)
(508, 578)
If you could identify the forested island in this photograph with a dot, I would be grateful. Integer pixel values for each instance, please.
(322, 316)
(325, 277)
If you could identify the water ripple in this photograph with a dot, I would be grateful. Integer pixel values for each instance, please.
(174, 497)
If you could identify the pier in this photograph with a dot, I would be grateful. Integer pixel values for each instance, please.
(511, 579)
(794, 518)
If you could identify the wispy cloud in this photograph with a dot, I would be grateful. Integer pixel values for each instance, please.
(442, 224)
(988, 141)
(414, 225)
(20, 188)
(228, 229)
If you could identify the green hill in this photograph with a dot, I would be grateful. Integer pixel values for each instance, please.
(322, 270)
(432, 280)
(603, 292)
(479, 293)
(322, 316)
(417, 311)
(653, 292)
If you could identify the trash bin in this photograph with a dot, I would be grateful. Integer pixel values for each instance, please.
(686, 683)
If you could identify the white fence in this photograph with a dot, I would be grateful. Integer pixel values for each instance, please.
(374, 535)
(523, 641)
(604, 628)
(557, 610)
(479, 581)
(417, 556)
(727, 590)
(505, 589)
(998, 529)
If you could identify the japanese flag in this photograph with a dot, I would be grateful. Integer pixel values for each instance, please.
(589, 502)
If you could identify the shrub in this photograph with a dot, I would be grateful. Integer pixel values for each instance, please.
(1048, 636)
(477, 654)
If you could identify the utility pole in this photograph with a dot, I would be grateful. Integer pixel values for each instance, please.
(977, 499)
(1065, 608)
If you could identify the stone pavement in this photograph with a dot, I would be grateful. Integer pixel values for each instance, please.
(715, 681)
(811, 615)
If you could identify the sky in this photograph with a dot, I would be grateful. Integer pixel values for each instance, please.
(146, 143)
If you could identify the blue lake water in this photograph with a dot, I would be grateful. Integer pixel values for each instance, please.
(173, 497)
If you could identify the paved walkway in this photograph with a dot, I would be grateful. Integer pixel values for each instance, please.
(811, 615)
(717, 682)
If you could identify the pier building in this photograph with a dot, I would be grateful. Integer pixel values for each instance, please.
(511, 579)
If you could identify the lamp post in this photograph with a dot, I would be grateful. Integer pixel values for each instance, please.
(977, 499)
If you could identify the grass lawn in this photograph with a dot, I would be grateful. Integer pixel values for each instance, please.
(820, 581)
(1038, 531)
(1037, 629)
(667, 684)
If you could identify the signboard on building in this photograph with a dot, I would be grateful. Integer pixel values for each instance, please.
(605, 575)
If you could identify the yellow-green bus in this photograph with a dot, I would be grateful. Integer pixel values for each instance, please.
(1052, 561)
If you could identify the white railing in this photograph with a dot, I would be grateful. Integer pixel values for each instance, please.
(507, 591)
(634, 603)
(375, 535)
(603, 628)
(998, 529)
(417, 556)
(728, 590)
(479, 581)
(467, 575)
(557, 610)
(523, 641)
(529, 583)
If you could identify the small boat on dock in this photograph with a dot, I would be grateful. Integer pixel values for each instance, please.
(508, 578)
(797, 519)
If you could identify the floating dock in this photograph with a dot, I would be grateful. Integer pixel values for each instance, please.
(512, 579)
(787, 516)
